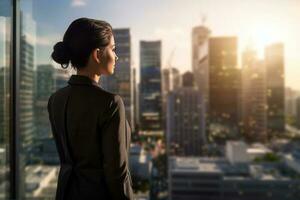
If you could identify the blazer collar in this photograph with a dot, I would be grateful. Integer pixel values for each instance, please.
(82, 80)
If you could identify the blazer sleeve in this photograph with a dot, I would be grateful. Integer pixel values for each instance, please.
(114, 150)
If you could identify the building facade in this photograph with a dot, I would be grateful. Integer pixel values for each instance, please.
(185, 119)
(274, 60)
(150, 87)
(224, 84)
(254, 98)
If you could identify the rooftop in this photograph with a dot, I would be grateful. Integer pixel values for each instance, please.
(229, 171)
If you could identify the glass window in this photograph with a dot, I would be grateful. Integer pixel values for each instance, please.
(38, 159)
(5, 75)
(242, 86)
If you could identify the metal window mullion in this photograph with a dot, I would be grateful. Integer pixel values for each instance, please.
(14, 103)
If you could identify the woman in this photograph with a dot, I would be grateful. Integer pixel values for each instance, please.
(89, 124)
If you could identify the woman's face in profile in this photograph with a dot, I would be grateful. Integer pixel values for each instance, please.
(109, 57)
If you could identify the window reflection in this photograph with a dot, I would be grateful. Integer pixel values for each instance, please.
(5, 67)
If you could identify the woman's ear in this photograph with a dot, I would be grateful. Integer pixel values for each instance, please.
(96, 55)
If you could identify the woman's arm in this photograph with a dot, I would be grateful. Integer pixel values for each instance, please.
(113, 133)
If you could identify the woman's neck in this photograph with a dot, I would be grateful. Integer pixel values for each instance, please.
(92, 76)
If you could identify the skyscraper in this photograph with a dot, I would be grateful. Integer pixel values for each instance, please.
(150, 87)
(254, 101)
(274, 59)
(121, 81)
(171, 80)
(27, 128)
(224, 83)
(45, 85)
(44, 88)
(185, 119)
(26, 84)
(200, 65)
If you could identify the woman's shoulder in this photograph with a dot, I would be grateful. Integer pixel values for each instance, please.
(112, 97)
(97, 94)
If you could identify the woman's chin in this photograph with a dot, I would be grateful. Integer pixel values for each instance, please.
(111, 72)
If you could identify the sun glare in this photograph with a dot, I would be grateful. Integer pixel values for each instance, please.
(262, 36)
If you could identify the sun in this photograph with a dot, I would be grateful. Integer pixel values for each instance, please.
(261, 36)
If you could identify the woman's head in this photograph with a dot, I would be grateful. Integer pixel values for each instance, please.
(87, 43)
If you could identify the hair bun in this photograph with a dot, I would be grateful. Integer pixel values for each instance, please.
(60, 53)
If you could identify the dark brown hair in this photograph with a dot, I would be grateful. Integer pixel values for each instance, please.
(81, 38)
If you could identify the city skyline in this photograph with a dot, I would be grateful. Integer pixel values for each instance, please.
(205, 93)
(247, 20)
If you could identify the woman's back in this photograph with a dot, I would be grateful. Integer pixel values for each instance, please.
(92, 137)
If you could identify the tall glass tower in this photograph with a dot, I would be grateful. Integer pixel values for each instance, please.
(150, 87)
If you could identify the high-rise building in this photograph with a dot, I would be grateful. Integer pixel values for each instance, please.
(45, 83)
(274, 60)
(254, 99)
(27, 128)
(224, 83)
(171, 80)
(150, 87)
(185, 120)
(26, 84)
(200, 64)
(48, 80)
(121, 81)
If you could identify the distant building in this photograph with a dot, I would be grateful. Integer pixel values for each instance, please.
(224, 83)
(254, 98)
(150, 87)
(185, 119)
(171, 80)
(274, 60)
(200, 65)
(45, 85)
(236, 152)
(217, 179)
(26, 84)
(27, 128)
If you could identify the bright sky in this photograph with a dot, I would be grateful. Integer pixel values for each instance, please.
(254, 21)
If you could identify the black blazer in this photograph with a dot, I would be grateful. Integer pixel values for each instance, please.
(92, 137)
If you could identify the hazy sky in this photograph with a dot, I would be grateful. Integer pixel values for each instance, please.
(253, 21)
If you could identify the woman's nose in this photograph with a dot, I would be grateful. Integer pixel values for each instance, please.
(116, 57)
